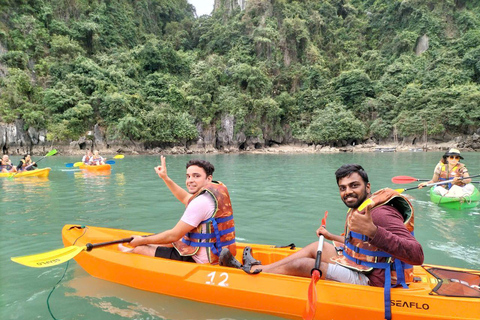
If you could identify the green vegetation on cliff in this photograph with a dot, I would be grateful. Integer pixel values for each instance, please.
(320, 71)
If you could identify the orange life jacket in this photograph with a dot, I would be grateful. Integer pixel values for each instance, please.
(456, 171)
(360, 255)
(214, 233)
(357, 248)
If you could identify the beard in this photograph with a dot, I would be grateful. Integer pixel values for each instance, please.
(354, 200)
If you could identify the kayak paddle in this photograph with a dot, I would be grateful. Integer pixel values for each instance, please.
(406, 179)
(311, 306)
(434, 184)
(71, 165)
(78, 164)
(56, 257)
(50, 153)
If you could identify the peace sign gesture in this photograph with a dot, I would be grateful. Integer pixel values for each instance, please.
(162, 169)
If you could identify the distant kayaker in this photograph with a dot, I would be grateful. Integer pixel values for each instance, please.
(26, 164)
(87, 157)
(97, 159)
(206, 226)
(450, 168)
(6, 164)
(379, 223)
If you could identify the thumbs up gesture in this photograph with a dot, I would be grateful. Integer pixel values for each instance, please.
(362, 223)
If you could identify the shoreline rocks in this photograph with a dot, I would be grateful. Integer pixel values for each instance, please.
(14, 140)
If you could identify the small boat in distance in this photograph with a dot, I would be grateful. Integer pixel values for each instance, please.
(385, 149)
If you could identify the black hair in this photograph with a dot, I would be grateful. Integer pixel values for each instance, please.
(348, 169)
(205, 165)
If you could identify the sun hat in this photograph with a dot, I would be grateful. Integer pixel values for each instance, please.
(453, 152)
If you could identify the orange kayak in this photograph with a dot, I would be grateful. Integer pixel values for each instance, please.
(102, 167)
(41, 173)
(279, 295)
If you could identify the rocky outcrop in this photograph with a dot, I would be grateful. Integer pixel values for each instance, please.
(471, 142)
(14, 139)
(422, 45)
(229, 5)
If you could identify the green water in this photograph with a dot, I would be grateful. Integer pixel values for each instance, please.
(277, 199)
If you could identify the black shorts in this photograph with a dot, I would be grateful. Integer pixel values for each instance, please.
(172, 254)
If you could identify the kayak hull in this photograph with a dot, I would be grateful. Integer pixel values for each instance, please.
(458, 203)
(40, 173)
(102, 167)
(279, 295)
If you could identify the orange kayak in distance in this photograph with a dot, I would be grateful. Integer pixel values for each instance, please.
(279, 295)
(40, 173)
(101, 167)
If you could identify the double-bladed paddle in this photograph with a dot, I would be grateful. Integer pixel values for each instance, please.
(78, 164)
(56, 257)
(407, 179)
(434, 184)
(50, 153)
(311, 306)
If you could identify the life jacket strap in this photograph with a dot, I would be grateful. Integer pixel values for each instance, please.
(217, 246)
(399, 268)
(367, 252)
(448, 184)
(214, 246)
(204, 236)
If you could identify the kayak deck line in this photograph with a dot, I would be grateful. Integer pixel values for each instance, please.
(279, 295)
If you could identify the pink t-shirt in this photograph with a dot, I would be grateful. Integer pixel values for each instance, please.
(201, 208)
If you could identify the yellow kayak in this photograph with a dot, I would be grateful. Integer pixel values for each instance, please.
(40, 173)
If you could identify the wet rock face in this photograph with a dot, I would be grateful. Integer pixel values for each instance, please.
(470, 142)
(14, 139)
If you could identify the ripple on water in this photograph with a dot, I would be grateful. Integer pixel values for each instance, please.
(470, 254)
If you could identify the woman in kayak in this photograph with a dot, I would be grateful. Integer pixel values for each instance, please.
(96, 159)
(88, 155)
(6, 165)
(450, 168)
(26, 164)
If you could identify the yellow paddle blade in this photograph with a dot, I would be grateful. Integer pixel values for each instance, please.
(119, 156)
(50, 258)
(77, 164)
(399, 190)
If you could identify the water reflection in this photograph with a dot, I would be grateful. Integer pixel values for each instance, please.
(22, 193)
(131, 303)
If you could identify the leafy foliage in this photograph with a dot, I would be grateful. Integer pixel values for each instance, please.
(330, 71)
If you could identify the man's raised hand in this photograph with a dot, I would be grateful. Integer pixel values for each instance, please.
(161, 170)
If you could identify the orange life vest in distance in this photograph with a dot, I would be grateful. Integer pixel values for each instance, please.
(359, 254)
(214, 233)
(457, 171)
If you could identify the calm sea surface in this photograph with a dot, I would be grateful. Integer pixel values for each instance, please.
(277, 199)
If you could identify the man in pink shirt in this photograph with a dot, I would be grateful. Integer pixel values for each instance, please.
(208, 217)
